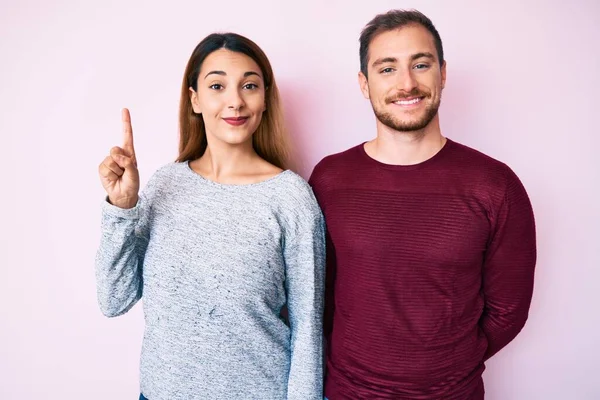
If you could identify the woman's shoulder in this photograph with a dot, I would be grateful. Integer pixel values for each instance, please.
(168, 171)
(163, 176)
(295, 184)
(294, 194)
(170, 168)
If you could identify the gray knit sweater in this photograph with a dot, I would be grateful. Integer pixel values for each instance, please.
(215, 264)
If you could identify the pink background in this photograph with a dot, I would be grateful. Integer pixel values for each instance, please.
(523, 84)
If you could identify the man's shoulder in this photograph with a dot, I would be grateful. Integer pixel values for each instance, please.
(482, 170)
(472, 155)
(477, 161)
(336, 163)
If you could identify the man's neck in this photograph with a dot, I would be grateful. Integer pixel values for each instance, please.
(405, 148)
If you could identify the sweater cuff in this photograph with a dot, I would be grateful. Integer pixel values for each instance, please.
(125, 213)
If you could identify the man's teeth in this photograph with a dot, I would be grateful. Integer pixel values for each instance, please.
(408, 102)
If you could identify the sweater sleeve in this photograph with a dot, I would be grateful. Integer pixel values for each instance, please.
(329, 289)
(304, 254)
(508, 271)
(330, 259)
(120, 256)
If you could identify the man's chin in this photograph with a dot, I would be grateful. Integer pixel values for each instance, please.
(405, 125)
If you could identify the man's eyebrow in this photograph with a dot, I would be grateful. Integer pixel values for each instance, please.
(422, 55)
(384, 60)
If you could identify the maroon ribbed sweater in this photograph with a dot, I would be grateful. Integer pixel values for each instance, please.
(430, 272)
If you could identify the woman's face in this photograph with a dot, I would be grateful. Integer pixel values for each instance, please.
(230, 96)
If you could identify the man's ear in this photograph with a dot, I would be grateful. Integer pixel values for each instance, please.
(443, 71)
(363, 82)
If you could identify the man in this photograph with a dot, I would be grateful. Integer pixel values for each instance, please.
(431, 244)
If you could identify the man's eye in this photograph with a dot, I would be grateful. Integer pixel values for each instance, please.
(387, 70)
(421, 66)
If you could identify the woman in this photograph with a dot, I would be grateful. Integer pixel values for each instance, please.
(218, 242)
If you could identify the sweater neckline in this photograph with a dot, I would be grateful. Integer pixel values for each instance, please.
(235, 185)
(423, 164)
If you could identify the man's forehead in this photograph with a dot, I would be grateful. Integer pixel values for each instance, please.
(402, 43)
(406, 37)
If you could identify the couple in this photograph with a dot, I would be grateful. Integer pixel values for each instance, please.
(414, 259)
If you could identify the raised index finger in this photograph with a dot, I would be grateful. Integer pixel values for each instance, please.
(127, 132)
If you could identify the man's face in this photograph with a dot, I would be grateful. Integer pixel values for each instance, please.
(405, 78)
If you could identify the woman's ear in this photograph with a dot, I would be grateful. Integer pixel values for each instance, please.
(194, 100)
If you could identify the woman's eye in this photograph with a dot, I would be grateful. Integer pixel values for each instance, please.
(216, 86)
(250, 86)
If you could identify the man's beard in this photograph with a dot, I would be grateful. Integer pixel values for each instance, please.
(391, 121)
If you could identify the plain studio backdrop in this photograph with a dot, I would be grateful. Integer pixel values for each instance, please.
(523, 84)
